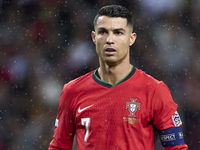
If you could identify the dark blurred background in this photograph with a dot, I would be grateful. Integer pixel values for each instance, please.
(44, 44)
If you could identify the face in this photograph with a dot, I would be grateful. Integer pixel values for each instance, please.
(113, 39)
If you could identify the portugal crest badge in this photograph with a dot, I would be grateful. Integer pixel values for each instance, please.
(132, 107)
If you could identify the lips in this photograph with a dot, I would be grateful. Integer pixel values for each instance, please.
(110, 51)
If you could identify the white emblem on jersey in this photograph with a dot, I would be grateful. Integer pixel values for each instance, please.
(80, 110)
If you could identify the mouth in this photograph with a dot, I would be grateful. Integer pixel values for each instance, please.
(110, 51)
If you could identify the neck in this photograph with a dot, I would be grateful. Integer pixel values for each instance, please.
(113, 74)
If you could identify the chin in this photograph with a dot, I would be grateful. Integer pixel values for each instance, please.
(111, 62)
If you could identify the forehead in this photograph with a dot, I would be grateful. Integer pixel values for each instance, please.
(111, 22)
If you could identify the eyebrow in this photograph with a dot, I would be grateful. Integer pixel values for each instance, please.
(104, 29)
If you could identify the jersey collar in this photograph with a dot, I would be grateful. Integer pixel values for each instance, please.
(108, 85)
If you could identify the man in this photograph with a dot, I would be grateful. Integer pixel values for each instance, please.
(117, 106)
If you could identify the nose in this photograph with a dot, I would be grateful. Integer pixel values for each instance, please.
(109, 39)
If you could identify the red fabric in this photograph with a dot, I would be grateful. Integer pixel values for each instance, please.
(118, 117)
(178, 147)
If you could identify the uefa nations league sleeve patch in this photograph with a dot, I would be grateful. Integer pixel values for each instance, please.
(56, 122)
(176, 119)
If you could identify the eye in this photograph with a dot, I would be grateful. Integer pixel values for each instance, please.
(118, 33)
(102, 32)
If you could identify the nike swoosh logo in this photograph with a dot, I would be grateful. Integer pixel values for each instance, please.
(80, 110)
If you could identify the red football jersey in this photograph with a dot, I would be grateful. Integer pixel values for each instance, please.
(105, 116)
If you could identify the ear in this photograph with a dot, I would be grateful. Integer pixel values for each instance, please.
(133, 38)
(93, 35)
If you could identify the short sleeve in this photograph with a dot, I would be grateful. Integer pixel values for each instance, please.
(163, 106)
(64, 125)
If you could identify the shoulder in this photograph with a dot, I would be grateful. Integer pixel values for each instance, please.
(72, 88)
(147, 80)
(78, 82)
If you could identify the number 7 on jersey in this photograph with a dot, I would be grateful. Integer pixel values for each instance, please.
(86, 122)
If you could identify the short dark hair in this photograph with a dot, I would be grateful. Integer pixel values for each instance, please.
(115, 11)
